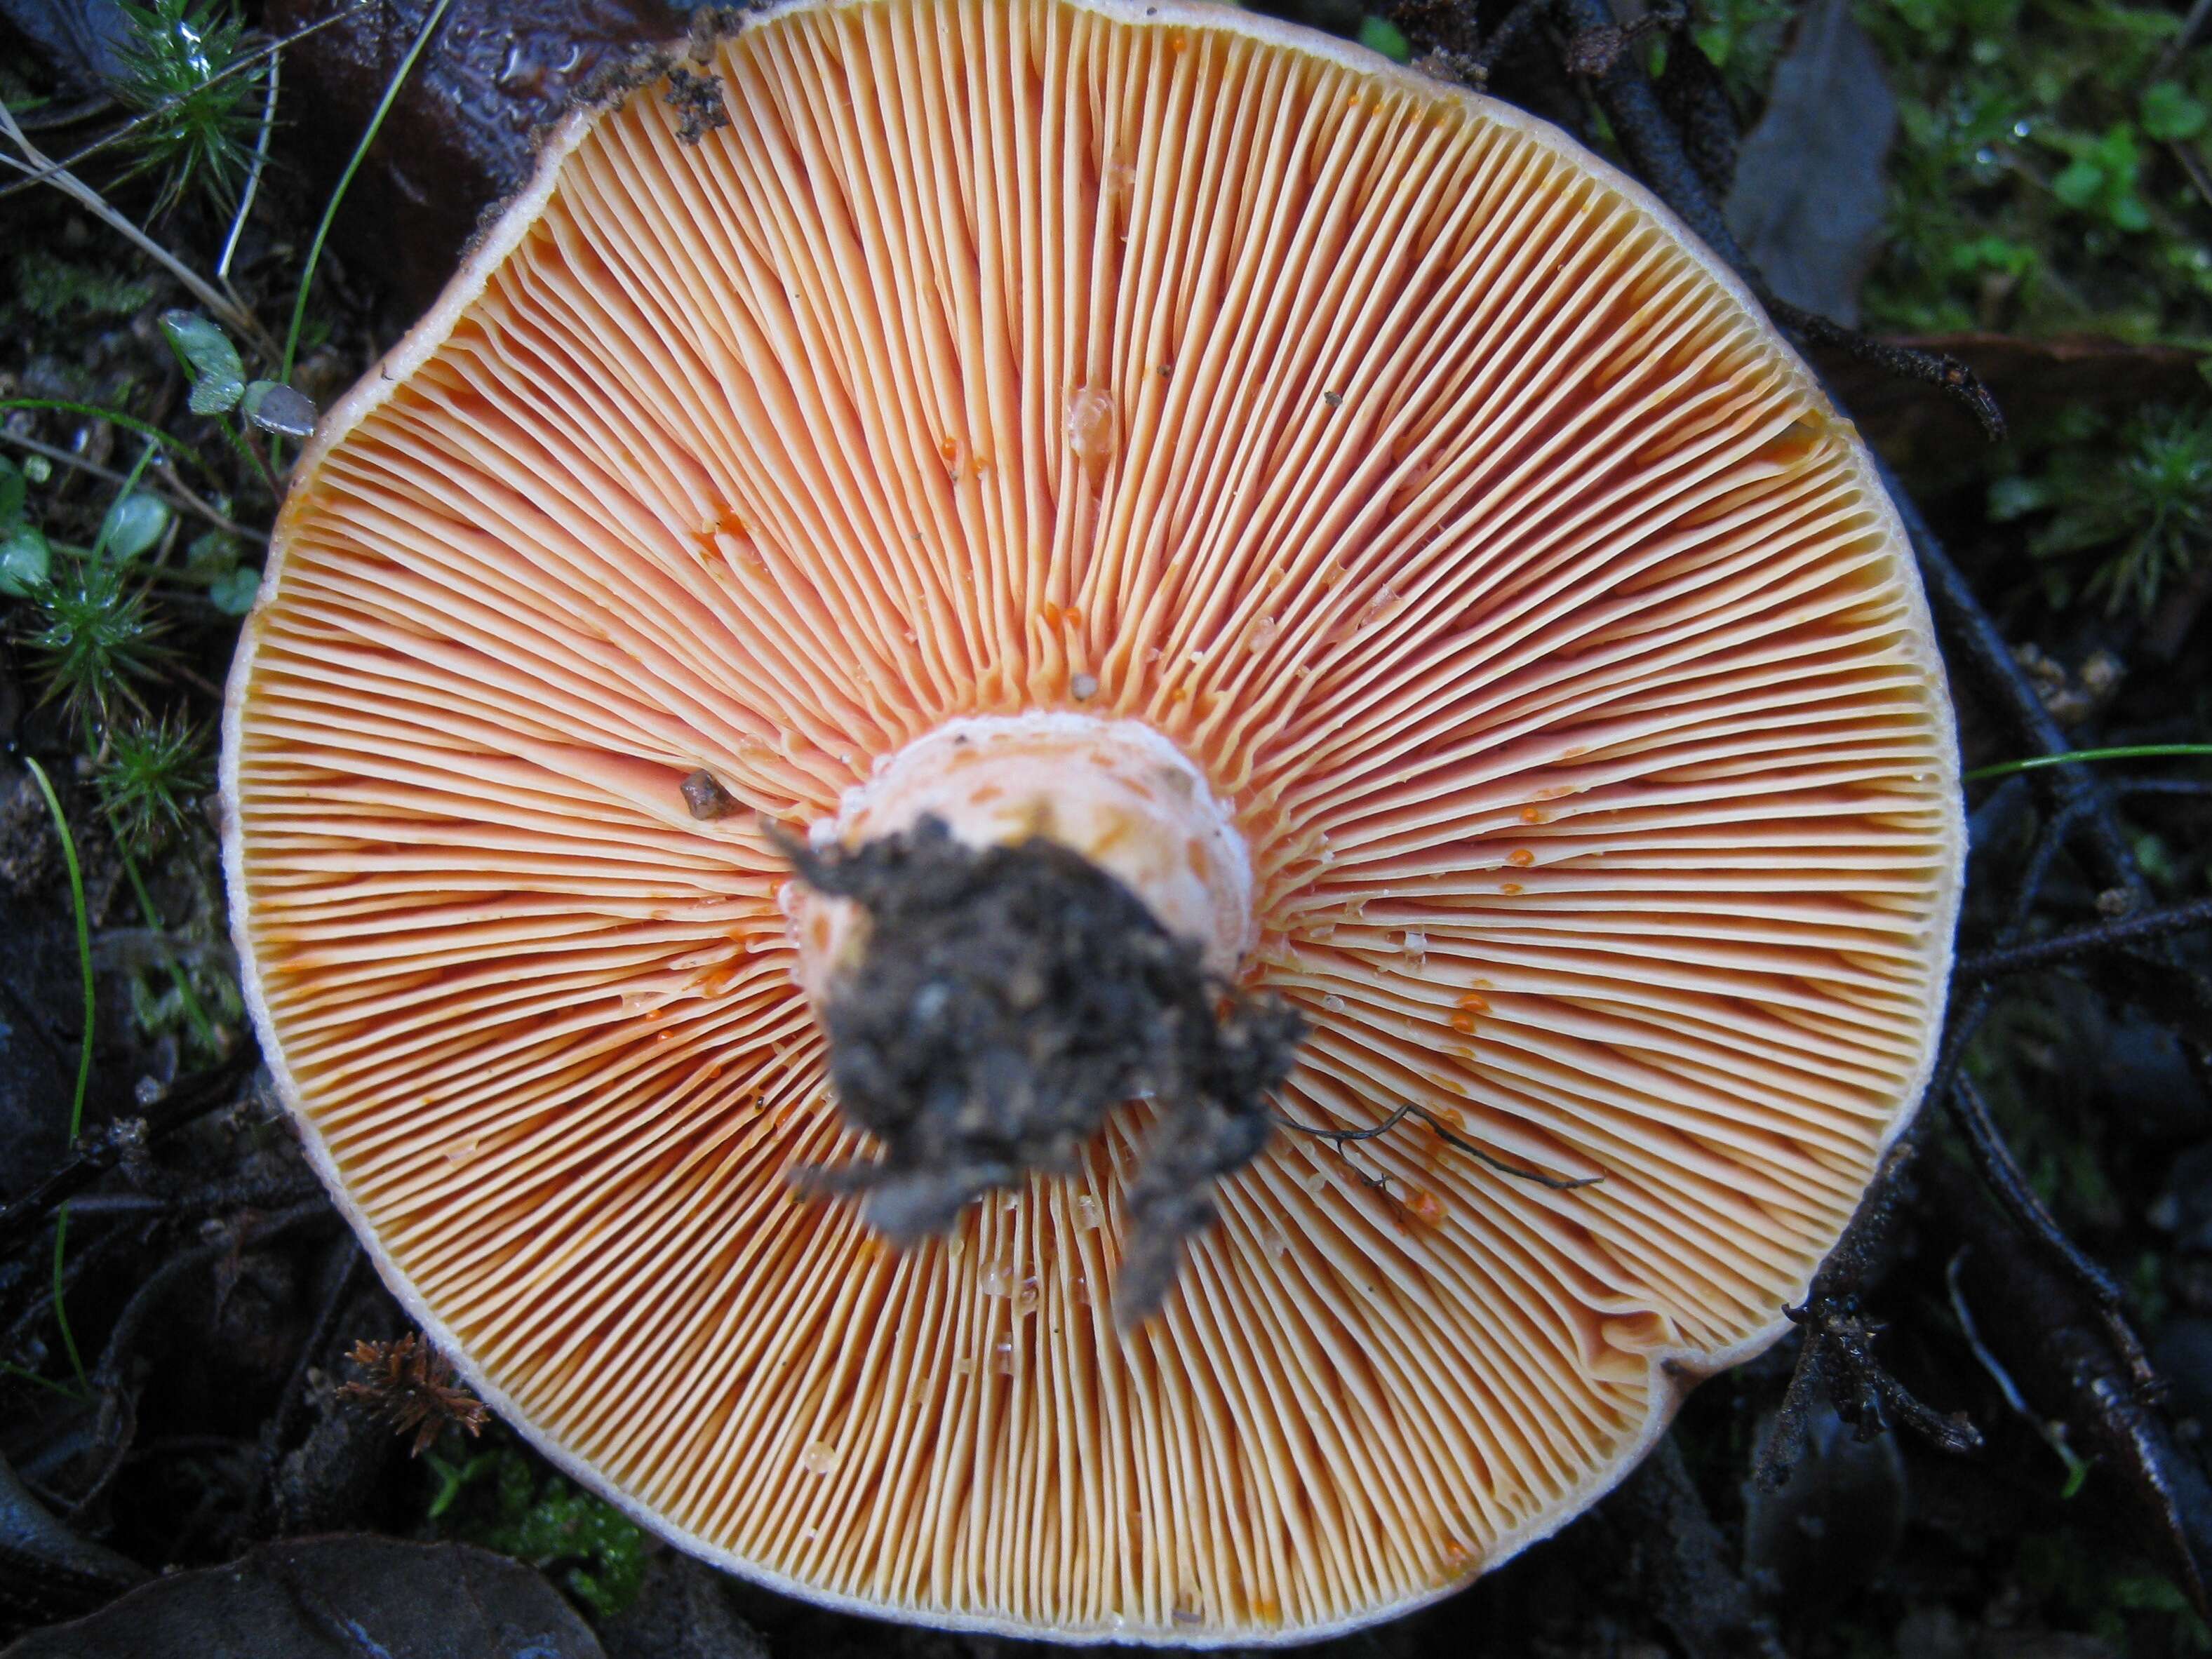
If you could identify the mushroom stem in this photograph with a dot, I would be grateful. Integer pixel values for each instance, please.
(992, 989)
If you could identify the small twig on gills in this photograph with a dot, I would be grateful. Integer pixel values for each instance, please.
(1537, 1177)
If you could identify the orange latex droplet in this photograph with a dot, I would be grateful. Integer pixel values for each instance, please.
(1530, 815)
(1510, 888)
(1052, 614)
(948, 449)
(1475, 1000)
(1072, 616)
(1463, 1024)
(1425, 1206)
(1520, 858)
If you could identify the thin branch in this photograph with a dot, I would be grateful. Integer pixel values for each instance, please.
(2077, 942)
(95, 1154)
(186, 496)
(35, 162)
(2008, 1182)
(253, 181)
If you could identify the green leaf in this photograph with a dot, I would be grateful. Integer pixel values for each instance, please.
(134, 524)
(2170, 114)
(1381, 34)
(218, 376)
(2079, 185)
(211, 551)
(233, 592)
(26, 560)
(2016, 498)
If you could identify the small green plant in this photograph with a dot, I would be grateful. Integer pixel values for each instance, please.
(2141, 505)
(181, 69)
(150, 776)
(96, 636)
(2044, 178)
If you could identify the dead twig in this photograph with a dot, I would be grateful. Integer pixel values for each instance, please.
(95, 1154)
(2079, 942)
(2005, 1179)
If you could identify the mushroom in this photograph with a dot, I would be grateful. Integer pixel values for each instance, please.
(1361, 524)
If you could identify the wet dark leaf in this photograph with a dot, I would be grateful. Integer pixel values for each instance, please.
(334, 1598)
(46, 1571)
(459, 136)
(1810, 201)
(81, 40)
(275, 407)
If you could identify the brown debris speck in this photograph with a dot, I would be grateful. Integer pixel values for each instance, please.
(706, 798)
(413, 1387)
(698, 98)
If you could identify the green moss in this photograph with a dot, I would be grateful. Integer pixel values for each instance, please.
(2083, 1583)
(2116, 510)
(2036, 188)
(52, 289)
(505, 1500)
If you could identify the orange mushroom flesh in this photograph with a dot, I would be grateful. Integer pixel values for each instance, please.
(1543, 635)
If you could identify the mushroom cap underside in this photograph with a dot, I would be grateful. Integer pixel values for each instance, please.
(1408, 469)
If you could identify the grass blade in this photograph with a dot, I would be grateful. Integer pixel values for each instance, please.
(345, 179)
(2133, 752)
(84, 1051)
